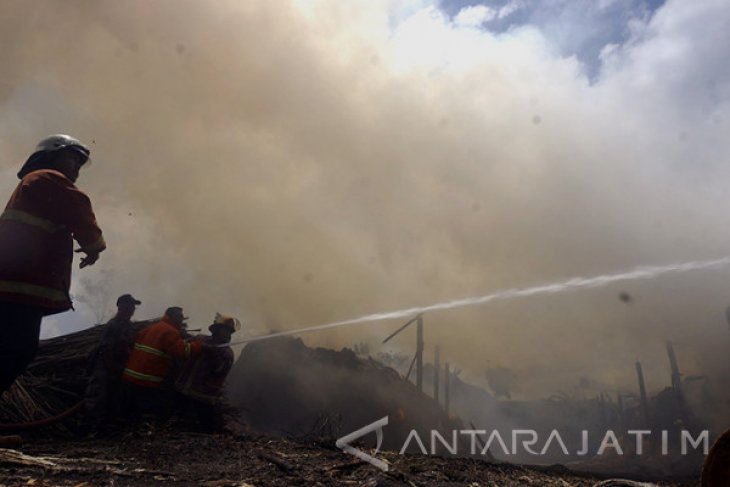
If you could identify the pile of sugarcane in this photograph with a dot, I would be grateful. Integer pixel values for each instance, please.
(54, 382)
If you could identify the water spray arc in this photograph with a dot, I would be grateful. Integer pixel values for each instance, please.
(575, 283)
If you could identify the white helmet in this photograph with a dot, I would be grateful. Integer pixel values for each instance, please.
(51, 144)
(225, 321)
(61, 141)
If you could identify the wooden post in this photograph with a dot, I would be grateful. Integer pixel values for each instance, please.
(447, 387)
(676, 376)
(410, 368)
(436, 373)
(684, 413)
(419, 354)
(642, 395)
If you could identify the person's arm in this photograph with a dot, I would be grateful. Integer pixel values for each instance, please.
(73, 209)
(180, 348)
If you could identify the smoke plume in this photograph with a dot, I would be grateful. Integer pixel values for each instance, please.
(303, 162)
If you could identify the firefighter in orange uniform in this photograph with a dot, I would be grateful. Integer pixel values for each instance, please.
(146, 371)
(45, 214)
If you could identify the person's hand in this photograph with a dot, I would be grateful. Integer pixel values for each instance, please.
(89, 259)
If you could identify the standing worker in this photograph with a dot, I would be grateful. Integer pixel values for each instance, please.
(109, 358)
(44, 215)
(144, 376)
(201, 379)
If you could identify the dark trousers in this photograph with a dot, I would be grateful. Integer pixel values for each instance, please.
(20, 327)
(138, 401)
(102, 396)
(209, 416)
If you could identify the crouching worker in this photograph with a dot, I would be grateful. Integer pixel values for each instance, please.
(107, 363)
(201, 379)
(155, 347)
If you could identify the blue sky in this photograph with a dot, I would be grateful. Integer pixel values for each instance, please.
(580, 28)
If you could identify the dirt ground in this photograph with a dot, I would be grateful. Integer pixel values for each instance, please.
(151, 456)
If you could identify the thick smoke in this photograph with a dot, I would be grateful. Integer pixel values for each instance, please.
(298, 163)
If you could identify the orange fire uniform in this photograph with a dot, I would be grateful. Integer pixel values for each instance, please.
(154, 349)
(43, 217)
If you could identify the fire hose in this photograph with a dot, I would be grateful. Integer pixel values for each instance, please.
(42, 422)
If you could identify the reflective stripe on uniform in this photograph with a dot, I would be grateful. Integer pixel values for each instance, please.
(29, 219)
(187, 350)
(153, 351)
(141, 376)
(97, 246)
(33, 290)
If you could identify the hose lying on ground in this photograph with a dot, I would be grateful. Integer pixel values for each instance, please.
(42, 422)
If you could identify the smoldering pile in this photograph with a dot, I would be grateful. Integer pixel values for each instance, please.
(283, 387)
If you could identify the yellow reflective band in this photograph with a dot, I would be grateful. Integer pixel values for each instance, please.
(153, 351)
(97, 246)
(141, 376)
(28, 219)
(187, 350)
(33, 290)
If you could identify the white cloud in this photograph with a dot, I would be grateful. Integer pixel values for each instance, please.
(474, 16)
(511, 7)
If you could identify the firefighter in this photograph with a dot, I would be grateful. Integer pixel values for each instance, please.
(144, 377)
(201, 379)
(46, 212)
(108, 361)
